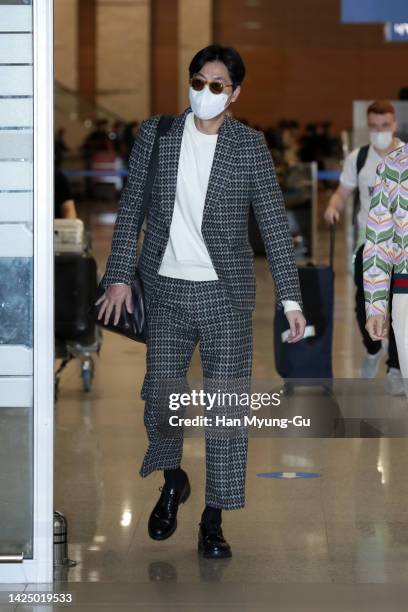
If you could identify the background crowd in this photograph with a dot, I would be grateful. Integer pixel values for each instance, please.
(288, 141)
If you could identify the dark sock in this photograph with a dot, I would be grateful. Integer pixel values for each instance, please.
(175, 478)
(211, 517)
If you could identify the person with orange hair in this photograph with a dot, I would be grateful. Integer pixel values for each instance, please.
(358, 178)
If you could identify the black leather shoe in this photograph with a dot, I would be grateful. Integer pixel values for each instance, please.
(163, 519)
(212, 544)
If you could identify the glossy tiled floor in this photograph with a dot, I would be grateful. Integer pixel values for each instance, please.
(347, 527)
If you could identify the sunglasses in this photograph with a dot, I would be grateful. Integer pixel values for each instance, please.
(216, 87)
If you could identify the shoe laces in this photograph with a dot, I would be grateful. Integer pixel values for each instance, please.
(171, 498)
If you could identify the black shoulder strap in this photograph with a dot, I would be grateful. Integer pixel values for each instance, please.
(163, 126)
(362, 158)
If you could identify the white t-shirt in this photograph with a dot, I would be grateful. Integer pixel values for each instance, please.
(186, 255)
(365, 180)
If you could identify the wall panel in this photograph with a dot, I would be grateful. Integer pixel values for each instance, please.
(65, 42)
(123, 57)
(303, 63)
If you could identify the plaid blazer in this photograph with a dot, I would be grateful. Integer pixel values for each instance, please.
(242, 174)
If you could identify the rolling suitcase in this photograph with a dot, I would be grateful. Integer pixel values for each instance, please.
(75, 287)
(311, 357)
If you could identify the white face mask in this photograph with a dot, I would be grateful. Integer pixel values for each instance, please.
(205, 104)
(381, 140)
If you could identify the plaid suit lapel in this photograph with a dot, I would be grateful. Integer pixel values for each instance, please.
(222, 166)
(169, 154)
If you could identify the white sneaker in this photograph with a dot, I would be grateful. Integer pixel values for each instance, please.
(394, 383)
(371, 363)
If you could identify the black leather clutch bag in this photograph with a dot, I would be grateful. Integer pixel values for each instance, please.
(130, 324)
(133, 325)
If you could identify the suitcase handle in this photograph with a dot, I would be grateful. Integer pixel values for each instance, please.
(332, 244)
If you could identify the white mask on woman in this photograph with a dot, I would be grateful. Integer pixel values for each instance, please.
(381, 140)
(205, 104)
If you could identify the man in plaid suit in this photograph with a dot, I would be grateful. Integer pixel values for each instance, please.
(197, 270)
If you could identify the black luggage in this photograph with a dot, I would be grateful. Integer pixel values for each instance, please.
(75, 287)
(310, 358)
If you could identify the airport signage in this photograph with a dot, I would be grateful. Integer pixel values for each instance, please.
(374, 11)
(396, 32)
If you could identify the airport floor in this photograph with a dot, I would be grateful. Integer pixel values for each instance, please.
(345, 529)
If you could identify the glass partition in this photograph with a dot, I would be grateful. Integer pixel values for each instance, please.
(16, 278)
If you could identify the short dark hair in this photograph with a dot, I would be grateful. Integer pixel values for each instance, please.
(227, 55)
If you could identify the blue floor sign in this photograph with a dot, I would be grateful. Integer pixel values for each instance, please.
(288, 475)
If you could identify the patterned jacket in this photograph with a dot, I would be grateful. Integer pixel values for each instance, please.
(242, 173)
(386, 246)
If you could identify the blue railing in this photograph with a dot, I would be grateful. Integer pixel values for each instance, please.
(322, 175)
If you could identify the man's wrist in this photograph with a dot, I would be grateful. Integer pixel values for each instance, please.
(290, 305)
(376, 311)
(336, 207)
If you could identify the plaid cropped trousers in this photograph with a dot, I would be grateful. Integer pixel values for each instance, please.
(182, 314)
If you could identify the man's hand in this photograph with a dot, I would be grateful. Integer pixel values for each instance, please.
(297, 324)
(331, 215)
(377, 327)
(337, 203)
(113, 299)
